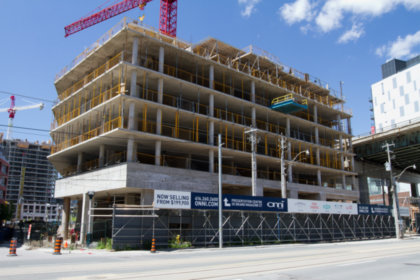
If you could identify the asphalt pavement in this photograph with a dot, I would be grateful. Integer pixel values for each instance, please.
(372, 259)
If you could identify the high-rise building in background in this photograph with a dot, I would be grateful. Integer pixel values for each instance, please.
(396, 98)
(31, 179)
(4, 171)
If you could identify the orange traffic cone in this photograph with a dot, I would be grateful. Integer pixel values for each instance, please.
(65, 244)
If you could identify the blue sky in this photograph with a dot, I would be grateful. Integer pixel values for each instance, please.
(334, 40)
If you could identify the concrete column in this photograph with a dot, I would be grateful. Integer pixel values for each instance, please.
(349, 130)
(134, 58)
(414, 192)
(65, 215)
(322, 196)
(90, 223)
(131, 116)
(354, 185)
(133, 84)
(161, 59)
(340, 137)
(254, 114)
(101, 155)
(211, 133)
(293, 194)
(211, 77)
(160, 91)
(290, 174)
(343, 179)
(158, 149)
(83, 225)
(363, 188)
(318, 157)
(211, 161)
(79, 162)
(315, 114)
(340, 128)
(79, 212)
(316, 135)
(159, 121)
(147, 197)
(253, 91)
(130, 149)
(318, 176)
(211, 105)
(288, 127)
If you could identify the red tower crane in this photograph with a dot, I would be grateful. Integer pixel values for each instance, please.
(167, 16)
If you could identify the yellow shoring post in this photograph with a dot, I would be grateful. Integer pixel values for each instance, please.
(266, 145)
(78, 107)
(197, 131)
(233, 138)
(176, 124)
(144, 84)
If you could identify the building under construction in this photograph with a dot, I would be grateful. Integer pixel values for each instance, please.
(31, 179)
(141, 111)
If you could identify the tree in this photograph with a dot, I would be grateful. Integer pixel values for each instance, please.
(6, 211)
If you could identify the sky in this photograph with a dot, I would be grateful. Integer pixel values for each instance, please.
(334, 40)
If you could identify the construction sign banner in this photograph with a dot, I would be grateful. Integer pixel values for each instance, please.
(238, 202)
(209, 201)
(321, 207)
(372, 209)
(172, 199)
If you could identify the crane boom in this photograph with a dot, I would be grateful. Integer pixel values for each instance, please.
(104, 14)
(167, 16)
(12, 111)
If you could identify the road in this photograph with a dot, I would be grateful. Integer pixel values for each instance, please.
(379, 259)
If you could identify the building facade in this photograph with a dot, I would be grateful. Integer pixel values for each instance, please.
(4, 172)
(31, 176)
(395, 99)
(142, 111)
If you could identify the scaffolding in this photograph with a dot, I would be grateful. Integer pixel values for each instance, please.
(134, 227)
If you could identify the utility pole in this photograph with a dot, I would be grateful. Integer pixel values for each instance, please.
(282, 168)
(253, 139)
(394, 193)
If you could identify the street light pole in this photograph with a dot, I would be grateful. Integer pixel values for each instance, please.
(282, 169)
(253, 139)
(282, 165)
(220, 192)
(394, 194)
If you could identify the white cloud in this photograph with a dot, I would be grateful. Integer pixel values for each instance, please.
(297, 11)
(351, 35)
(332, 13)
(249, 7)
(400, 48)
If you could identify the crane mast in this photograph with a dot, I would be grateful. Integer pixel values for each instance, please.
(167, 16)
